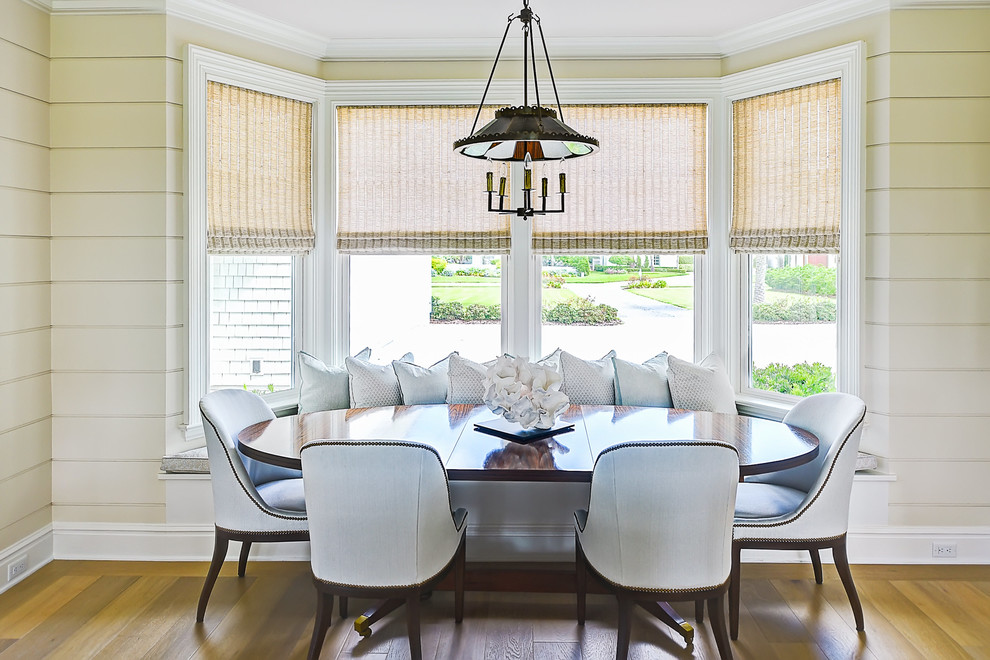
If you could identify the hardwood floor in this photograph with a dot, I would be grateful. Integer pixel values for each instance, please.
(78, 610)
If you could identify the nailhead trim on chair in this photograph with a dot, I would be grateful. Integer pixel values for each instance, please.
(226, 451)
(813, 499)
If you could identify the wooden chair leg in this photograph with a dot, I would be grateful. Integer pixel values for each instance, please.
(699, 612)
(816, 563)
(717, 611)
(459, 562)
(842, 566)
(220, 544)
(412, 627)
(343, 606)
(581, 579)
(242, 560)
(625, 628)
(734, 580)
(324, 614)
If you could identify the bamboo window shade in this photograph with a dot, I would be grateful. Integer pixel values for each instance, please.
(786, 156)
(403, 190)
(259, 176)
(645, 191)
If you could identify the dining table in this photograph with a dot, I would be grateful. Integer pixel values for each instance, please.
(471, 450)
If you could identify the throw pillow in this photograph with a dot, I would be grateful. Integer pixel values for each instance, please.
(374, 385)
(702, 386)
(642, 384)
(422, 384)
(588, 382)
(466, 380)
(323, 387)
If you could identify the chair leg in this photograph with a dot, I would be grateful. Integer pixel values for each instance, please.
(625, 628)
(734, 580)
(699, 612)
(324, 614)
(842, 566)
(242, 560)
(412, 627)
(716, 609)
(343, 606)
(581, 579)
(816, 563)
(459, 562)
(220, 544)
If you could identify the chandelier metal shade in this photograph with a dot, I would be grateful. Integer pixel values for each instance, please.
(525, 133)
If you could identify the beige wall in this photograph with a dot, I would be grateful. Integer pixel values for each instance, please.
(25, 289)
(117, 266)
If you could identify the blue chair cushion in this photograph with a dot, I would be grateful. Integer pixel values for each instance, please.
(284, 494)
(758, 500)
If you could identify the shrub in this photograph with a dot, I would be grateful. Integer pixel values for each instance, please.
(621, 260)
(685, 262)
(800, 379)
(455, 311)
(580, 264)
(614, 271)
(582, 311)
(551, 281)
(438, 265)
(645, 283)
(814, 310)
(811, 279)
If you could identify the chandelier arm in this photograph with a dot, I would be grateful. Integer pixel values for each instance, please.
(536, 83)
(546, 54)
(492, 74)
(526, 31)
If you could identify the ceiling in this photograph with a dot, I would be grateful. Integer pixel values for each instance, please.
(485, 19)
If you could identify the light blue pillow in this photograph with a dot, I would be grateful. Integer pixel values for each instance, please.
(422, 385)
(642, 384)
(374, 385)
(323, 387)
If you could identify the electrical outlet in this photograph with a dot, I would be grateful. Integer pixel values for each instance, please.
(943, 549)
(16, 567)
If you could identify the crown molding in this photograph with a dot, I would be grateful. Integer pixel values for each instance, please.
(939, 4)
(43, 5)
(107, 6)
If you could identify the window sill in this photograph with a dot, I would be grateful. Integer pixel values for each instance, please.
(282, 404)
(753, 406)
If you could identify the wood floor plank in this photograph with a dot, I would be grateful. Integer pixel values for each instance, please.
(466, 639)
(556, 651)
(778, 623)
(64, 622)
(17, 621)
(882, 638)
(508, 635)
(946, 604)
(834, 636)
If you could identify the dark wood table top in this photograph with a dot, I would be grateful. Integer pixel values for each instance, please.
(763, 445)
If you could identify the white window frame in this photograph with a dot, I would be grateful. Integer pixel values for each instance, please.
(202, 66)
(324, 321)
(847, 63)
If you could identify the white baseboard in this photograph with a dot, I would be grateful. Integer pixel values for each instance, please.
(529, 542)
(37, 549)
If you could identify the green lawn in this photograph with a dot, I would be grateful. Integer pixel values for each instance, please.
(465, 279)
(491, 295)
(774, 296)
(680, 296)
(599, 278)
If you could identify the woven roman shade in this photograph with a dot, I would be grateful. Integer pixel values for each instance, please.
(403, 190)
(259, 178)
(645, 191)
(786, 169)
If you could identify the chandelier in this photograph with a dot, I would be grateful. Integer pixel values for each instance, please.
(525, 133)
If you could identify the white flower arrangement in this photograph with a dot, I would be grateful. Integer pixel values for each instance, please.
(524, 392)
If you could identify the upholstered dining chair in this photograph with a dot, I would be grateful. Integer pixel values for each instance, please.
(252, 501)
(381, 526)
(659, 527)
(807, 507)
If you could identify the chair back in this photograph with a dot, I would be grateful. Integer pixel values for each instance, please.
(379, 512)
(236, 502)
(660, 515)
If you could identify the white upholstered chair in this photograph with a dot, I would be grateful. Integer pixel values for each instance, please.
(807, 507)
(659, 527)
(380, 527)
(252, 501)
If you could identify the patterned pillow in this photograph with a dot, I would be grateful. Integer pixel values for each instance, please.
(702, 386)
(374, 384)
(642, 384)
(466, 380)
(323, 387)
(588, 382)
(421, 384)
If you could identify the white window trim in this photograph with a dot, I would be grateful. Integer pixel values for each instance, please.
(325, 326)
(846, 62)
(201, 66)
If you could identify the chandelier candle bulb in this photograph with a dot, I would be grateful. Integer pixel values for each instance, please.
(545, 186)
(527, 179)
(563, 183)
(501, 187)
(489, 181)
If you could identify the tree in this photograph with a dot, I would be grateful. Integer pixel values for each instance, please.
(580, 264)
(438, 264)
